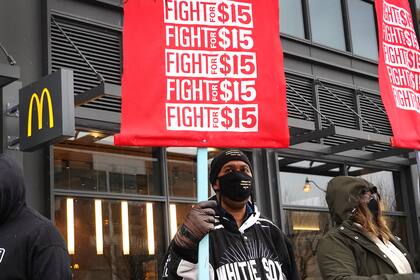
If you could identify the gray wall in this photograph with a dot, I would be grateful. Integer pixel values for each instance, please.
(322, 62)
(21, 34)
(24, 34)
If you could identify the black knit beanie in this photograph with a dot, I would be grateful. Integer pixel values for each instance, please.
(224, 157)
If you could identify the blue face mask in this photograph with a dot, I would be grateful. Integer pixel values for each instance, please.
(236, 186)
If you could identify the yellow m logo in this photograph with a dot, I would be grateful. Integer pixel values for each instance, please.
(40, 106)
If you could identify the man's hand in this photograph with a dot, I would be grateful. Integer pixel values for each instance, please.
(197, 224)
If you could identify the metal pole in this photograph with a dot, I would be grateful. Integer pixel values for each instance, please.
(418, 161)
(202, 194)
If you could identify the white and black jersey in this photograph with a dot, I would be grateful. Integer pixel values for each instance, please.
(256, 250)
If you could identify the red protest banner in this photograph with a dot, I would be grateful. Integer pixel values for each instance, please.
(204, 73)
(399, 71)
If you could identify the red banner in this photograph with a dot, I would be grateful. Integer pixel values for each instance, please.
(203, 73)
(399, 71)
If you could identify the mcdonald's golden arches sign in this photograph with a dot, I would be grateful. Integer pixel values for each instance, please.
(46, 110)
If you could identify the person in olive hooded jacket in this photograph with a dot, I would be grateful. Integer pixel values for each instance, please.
(31, 248)
(361, 246)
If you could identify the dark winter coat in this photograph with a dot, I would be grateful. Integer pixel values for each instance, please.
(257, 250)
(347, 252)
(30, 246)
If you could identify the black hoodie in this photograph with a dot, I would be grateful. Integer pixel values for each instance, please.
(30, 246)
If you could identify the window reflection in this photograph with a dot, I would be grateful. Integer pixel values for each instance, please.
(140, 262)
(384, 181)
(398, 227)
(292, 191)
(177, 214)
(302, 221)
(362, 27)
(291, 18)
(182, 169)
(102, 171)
(305, 229)
(327, 23)
(418, 13)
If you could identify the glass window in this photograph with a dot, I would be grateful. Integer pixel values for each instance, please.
(102, 171)
(327, 23)
(305, 229)
(291, 18)
(418, 13)
(110, 239)
(362, 28)
(182, 169)
(293, 192)
(177, 214)
(384, 181)
(398, 227)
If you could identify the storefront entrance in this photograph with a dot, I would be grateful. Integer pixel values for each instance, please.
(118, 207)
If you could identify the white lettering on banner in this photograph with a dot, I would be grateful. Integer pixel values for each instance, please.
(180, 63)
(210, 66)
(404, 78)
(395, 15)
(211, 117)
(210, 12)
(400, 36)
(406, 98)
(216, 90)
(191, 36)
(402, 56)
(209, 37)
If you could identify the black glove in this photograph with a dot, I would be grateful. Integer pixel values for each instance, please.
(199, 222)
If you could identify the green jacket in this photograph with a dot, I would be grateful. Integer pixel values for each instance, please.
(346, 252)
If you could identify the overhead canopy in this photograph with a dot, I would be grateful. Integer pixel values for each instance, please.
(8, 74)
(310, 135)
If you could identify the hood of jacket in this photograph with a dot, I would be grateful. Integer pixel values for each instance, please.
(343, 193)
(12, 188)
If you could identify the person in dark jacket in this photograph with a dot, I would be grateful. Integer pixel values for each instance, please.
(361, 246)
(30, 246)
(243, 245)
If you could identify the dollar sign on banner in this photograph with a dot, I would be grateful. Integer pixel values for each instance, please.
(225, 114)
(226, 94)
(224, 15)
(224, 61)
(225, 41)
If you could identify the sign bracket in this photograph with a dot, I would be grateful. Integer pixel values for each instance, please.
(13, 143)
(12, 111)
(103, 89)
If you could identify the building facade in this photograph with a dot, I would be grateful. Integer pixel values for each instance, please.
(118, 207)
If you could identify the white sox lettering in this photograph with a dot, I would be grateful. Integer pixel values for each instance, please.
(247, 270)
(2, 252)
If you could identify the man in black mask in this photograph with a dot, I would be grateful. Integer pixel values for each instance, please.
(30, 246)
(243, 245)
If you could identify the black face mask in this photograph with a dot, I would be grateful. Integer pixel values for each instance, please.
(373, 206)
(236, 186)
